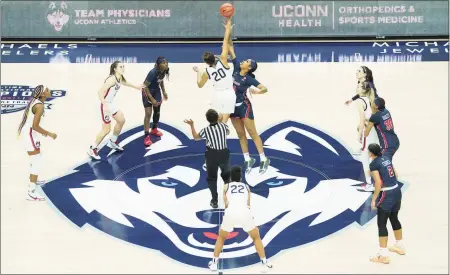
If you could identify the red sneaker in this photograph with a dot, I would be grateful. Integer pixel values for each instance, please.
(147, 141)
(155, 132)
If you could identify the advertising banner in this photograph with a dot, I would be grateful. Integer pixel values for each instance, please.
(201, 19)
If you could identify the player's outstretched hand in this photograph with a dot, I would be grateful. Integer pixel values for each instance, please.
(189, 121)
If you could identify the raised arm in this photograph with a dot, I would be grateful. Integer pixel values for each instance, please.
(225, 44)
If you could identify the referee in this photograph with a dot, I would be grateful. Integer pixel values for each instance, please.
(217, 154)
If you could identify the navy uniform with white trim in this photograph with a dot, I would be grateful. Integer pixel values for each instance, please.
(384, 125)
(389, 199)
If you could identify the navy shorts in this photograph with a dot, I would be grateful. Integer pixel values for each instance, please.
(390, 201)
(389, 152)
(244, 110)
(156, 94)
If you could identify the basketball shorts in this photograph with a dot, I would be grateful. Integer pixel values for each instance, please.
(390, 200)
(155, 94)
(223, 101)
(243, 110)
(106, 117)
(30, 139)
(238, 217)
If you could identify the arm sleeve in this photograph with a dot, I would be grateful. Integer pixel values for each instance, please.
(236, 66)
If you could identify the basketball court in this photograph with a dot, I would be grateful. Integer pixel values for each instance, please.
(147, 210)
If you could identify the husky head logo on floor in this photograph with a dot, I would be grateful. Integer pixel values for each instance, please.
(57, 15)
(158, 198)
(15, 98)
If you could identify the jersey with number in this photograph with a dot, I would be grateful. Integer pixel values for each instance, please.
(387, 174)
(237, 195)
(366, 107)
(112, 91)
(221, 77)
(382, 121)
(30, 118)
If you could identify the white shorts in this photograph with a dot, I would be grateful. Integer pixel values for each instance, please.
(30, 139)
(223, 101)
(241, 218)
(106, 118)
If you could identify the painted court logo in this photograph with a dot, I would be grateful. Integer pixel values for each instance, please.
(15, 98)
(158, 198)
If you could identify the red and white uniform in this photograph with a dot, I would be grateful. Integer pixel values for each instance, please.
(109, 99)
(238, 213)
(30, 138)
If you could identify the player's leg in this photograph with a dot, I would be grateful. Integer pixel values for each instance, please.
(106, 128)
(120, 121)
(212, 167)
(240, 130)
(382, 218)
(225, 118)
(397, 227)
(259, 246)
(250, 126)
(148, 108)
(156, 116)
(32, 145)
(226, 227)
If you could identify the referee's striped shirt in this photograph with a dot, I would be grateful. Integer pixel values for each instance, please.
(215, 135)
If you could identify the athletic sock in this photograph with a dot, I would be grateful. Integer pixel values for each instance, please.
(247, 156)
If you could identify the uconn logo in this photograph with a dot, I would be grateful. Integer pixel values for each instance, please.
(158, 198)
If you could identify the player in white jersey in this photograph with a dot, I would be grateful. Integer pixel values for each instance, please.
(237, 214)
(108, 109)
(223, 98)
(30, 132)
(363, 106)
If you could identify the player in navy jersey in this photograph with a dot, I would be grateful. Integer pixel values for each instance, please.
(151, 97)
(242, 118)
(364, 74)
(381, 119)
(386, 199)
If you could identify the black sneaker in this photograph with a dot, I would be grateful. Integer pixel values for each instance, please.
(214, 204)
(248, 165)
(263, 165)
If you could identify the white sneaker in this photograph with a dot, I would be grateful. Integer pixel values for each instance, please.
(114, 145)
(93, 153)
(366, 188)
(266, 267)
(33, 195)
(212, 265)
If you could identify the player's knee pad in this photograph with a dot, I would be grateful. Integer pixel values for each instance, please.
(35, 161)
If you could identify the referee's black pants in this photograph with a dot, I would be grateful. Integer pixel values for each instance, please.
(216, 159)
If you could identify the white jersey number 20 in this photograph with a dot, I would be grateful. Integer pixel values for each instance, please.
(218, 75)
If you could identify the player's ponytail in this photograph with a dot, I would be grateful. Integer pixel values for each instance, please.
(36, 94)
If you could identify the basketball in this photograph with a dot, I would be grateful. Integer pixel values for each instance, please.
(227, 10)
